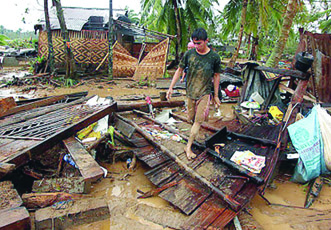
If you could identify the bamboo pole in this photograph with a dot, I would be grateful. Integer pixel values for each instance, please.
(228, 199)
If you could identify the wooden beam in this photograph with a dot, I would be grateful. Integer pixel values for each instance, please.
(81, 211)
(144, 106)
(87, 166)
(285, 72)
(42, 200)
(32, 105)
(291, 91)
(6, 168)
(15, 219)
(42, 112)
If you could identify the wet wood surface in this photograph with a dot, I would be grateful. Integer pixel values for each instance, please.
(20, 152)
(69, 185)
(195, 198)
(87, 166)
(15, 219)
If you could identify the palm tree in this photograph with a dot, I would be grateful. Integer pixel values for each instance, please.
(49, 36)
(240, 35)
(262, 19)
(291, 11)
(177, 17)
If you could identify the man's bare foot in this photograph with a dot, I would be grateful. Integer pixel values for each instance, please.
(189, 153)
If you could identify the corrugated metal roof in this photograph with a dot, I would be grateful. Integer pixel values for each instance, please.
(75, 17)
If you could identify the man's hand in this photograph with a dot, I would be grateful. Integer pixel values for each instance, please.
(169, 93)
(217, 102)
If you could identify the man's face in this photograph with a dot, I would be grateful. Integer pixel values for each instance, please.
(200, 45)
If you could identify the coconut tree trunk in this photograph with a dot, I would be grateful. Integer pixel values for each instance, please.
(70, 64)
(249, 43)
(240, 35)
(287, 24)
(49, 36)
(179, 30)
(110, 39)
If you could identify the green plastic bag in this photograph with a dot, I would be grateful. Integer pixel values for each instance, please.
(307, 140)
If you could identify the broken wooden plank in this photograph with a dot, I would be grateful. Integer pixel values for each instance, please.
(23, 154)
(291, 91)
(144, 106)
(42, 200)
(232, 202)
(163, 173)
(15, 219)
(6, 168)
(187, 195)
(207, 213)
(76, 213)
(9, 196)
(124, 128)
(40, 113)
(88, 167)
(6, 104)
(32, 105)
(69, 185)
(150, 156)
(285, 72)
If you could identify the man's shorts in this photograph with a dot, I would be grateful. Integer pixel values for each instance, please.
(198, 110)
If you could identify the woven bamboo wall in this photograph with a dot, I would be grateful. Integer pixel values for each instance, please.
(154, 64)
(88, 47)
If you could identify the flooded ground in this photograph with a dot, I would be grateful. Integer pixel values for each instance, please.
(128, 212)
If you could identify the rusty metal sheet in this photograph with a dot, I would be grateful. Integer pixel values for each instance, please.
(207, 213)
(163, 173)
(151, 156)
(320, 46)
(187, 195)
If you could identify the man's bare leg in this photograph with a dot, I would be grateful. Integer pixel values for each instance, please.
(194, 132)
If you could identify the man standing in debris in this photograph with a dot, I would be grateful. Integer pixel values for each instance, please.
(204, 65)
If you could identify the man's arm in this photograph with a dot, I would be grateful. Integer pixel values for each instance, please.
(175, 78)
(216, 88)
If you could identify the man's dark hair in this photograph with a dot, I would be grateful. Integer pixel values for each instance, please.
(199, 34)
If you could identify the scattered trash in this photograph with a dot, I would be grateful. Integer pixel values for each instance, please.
(105, 171)
(249, 160)
(67, 158)
(276, 113)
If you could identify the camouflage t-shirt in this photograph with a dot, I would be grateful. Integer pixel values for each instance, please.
(201, 69)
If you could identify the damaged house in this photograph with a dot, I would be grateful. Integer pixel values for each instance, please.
(88, 33)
